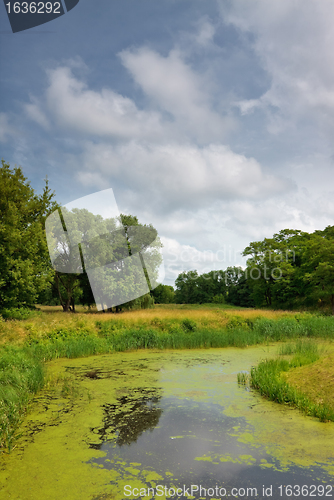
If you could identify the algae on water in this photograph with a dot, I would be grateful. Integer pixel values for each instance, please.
(147, 418)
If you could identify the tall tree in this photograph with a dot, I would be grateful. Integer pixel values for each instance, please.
(24, 260)
(120, 256)
(319, 266)
(187, 288)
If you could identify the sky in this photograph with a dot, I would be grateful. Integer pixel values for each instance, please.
(213, 120)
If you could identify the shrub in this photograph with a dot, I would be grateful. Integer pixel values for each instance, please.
(188, 325)
(18, 313)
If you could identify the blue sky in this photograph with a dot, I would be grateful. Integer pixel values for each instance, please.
(212, 120)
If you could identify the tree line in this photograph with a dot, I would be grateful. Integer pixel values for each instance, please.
(290, 270)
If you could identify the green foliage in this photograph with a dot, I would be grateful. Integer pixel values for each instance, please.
(218, 299)
(292, 269)
(237, 287)
(25, 268)
(103, 242)
(206, 288)
(19, 313)
(163, 294)
(188, 325)
(144, 302)
(21, 375)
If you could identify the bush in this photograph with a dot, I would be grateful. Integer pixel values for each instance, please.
(188, 325)
(19, 313)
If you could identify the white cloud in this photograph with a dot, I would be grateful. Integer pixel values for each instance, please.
(173, 175)
(294, 41)
(99, 113)
(301, 210)
(179, 106)
(180, 258)
(205, 33)
(35, 113)
(176, 88)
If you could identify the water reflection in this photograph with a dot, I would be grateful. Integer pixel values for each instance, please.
(195, 443)
(133, 414)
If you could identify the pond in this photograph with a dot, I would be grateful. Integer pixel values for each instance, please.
(159, 424)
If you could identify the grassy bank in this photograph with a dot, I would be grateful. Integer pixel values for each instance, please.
(301, 377)
(45, 335)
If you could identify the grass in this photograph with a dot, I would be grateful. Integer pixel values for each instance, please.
(49, 334)
(316, 381)
(21, 375)
(277, 379)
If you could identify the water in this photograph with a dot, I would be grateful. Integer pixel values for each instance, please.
(158, 424)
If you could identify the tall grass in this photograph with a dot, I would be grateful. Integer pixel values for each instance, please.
(47, 337)
(267, 379)
(20, 376)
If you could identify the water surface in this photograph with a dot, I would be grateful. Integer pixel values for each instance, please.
(131, 421)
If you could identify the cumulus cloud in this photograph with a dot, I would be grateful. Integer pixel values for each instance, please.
(293, 41)
(177, 175)
(176, 88)
(180, 258)
(100, 113)
(179, 103)
(302, 210)
(34, 112)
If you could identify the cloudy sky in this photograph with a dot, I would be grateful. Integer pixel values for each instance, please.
(213, 120)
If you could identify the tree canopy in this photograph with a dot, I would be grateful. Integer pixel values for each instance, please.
(25, 268)
(119, 255)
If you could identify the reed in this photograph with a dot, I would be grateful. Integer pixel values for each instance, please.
(21, 375)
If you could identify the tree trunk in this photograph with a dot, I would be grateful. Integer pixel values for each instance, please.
(66, 306)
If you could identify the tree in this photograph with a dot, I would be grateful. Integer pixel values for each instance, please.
(25, 269)
(186, 288)
(163, 294)
(319, 259)
(206, 288)
(237, 288)
(120, 257)
(293, 268)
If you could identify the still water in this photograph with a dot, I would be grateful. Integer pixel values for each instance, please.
(165, 424)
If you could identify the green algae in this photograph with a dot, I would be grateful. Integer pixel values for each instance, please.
(71, 448)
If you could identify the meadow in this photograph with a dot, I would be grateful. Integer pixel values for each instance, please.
(28, 339)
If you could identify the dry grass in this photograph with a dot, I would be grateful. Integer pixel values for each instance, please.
(316, 381)
(52, 317)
